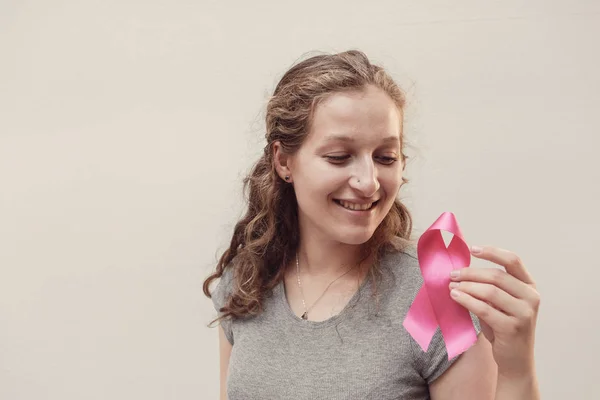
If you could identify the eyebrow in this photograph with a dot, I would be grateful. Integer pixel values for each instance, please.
(343, 138)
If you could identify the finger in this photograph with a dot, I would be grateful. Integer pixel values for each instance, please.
(505, 258)
(493, 296)
(494, 318)
(496, 277)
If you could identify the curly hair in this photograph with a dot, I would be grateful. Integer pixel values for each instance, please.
(267, 237)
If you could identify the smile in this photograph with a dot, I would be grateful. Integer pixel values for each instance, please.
(355, 206)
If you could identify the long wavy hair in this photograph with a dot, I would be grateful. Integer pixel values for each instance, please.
(266, 239)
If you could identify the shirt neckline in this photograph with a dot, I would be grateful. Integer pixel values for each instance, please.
(327, 322)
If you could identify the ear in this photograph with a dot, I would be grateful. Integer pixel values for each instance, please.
(282, 162)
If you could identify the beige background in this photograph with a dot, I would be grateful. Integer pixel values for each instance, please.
(126, 127)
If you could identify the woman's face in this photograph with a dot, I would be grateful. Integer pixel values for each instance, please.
(347, 173)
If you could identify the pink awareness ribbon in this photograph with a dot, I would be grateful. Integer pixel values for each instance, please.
(433, 305)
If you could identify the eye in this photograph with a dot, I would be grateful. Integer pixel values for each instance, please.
(337, 159)
(385, 160)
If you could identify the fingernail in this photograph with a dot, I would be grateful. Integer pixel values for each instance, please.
(453, 285)
(455, 273)
(476, 249)
(455, 293)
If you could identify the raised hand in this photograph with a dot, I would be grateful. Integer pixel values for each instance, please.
(507, 305)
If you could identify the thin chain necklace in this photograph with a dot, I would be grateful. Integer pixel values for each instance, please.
(305, 315)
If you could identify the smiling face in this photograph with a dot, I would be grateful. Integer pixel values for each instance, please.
(348, 171)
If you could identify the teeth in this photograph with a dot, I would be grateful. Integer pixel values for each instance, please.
(353, 206)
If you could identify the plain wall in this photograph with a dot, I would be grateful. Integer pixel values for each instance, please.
(126, 128)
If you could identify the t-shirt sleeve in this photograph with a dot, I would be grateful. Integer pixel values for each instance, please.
(433, 363)
(220, 294)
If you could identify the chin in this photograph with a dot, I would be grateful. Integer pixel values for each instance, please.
(355, 238)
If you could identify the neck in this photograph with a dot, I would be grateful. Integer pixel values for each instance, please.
(328, 258)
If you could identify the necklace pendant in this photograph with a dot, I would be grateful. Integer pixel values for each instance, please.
(304, 316)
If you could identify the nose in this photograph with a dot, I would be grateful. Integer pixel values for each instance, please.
(364, 178)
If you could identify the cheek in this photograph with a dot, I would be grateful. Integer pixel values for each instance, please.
(391, 181)
(323, 180)
(319, 192)
(314, 190)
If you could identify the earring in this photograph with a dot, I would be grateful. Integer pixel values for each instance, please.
(287, 178)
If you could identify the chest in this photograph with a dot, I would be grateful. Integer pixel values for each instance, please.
(356, 357)
(320, 298)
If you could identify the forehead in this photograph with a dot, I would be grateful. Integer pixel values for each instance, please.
(365, 115)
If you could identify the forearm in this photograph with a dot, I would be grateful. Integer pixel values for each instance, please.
(524, 387)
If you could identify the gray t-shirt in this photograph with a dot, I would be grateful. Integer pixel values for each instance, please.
(356, 354)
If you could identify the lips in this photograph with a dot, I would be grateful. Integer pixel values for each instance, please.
(356, 206)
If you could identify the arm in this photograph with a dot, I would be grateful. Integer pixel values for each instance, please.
(518, 388)
(471, 377)
(224, 354)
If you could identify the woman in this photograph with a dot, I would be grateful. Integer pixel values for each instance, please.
(320, 272)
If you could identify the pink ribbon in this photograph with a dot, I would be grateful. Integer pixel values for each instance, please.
(433, 305)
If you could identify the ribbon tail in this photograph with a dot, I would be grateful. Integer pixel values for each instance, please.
(461, 341)
(456, 323)
(420, 321)
(457, 329)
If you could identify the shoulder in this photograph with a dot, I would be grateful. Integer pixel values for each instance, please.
(407, 253)
(400, 282)
(223, 288)
(403, 266)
